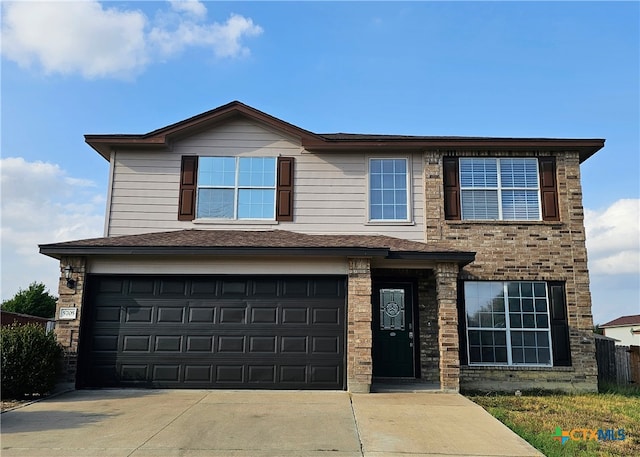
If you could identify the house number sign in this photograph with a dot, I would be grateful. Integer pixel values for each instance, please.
(67, 314)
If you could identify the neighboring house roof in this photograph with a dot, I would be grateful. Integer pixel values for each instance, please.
(333, 142)
(272, 242)
(624, 321)
(8, 318)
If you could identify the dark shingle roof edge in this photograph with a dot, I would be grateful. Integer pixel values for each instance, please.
(336, 142)
(271, 242)
(623, 321)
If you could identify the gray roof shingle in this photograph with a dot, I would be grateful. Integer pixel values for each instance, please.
(265, 242)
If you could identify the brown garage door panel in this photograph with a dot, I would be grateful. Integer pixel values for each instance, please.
(208, 332)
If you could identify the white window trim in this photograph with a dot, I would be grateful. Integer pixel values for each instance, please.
(214, 221)
(409, 181)
(500, 188)
(236, 190)
(508, 330)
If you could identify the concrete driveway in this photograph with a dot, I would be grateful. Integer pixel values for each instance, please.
(198, 423)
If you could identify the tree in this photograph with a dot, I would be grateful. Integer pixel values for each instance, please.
(35, 301)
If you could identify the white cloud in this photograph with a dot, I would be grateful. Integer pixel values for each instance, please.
(74, 37)
(224, 39)
(613, 238)
(41, 204)
(97, 41)
(193, 7)
(613, 246)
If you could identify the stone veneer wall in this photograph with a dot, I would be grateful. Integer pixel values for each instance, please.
(359, 339)
(68, 331)
(511, 251)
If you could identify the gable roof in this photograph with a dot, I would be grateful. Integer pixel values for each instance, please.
(162, 137)
(270, 242)
(623, 321)
(333, 142)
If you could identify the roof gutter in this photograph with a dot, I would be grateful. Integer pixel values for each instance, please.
(584, 147)
(56, 252)
(462, 258)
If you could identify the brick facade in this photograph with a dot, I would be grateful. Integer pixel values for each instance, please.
(429, 327)
(359, 338)
(512, 251)
(448, 340)
(505, 251)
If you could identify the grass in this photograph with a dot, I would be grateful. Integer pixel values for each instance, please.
(535, 416)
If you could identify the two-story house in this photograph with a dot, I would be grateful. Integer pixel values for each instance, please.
(241, 251)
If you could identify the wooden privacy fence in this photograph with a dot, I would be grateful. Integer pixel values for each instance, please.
(632, 361)
(619, 364)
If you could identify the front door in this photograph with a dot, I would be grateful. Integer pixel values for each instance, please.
(393, 330)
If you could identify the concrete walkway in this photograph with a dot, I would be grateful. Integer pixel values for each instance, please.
(199, 423)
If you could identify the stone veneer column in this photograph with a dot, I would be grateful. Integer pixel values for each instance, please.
(68, 331)
(448, 342)
(359, 341)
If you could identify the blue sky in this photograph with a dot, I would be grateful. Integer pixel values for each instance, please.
(513, 69)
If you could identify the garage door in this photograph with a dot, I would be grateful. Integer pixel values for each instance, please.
(214, 332)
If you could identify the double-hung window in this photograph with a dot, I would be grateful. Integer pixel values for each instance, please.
(508, 323)
(236, 188)
(388, 190)
(479, 188)
(500, 189)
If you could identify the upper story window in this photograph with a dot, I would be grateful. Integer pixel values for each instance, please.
(388, 190)
(510, 189)
(236, 188)
(502, 189)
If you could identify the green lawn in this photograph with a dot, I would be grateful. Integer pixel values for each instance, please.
(535, 418)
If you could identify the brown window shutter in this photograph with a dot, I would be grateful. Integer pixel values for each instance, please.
(548, 189)
(451, 188)
(284, 190)
(188, 183)
(559, 325)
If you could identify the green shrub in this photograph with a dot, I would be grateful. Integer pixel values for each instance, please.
(30, 360)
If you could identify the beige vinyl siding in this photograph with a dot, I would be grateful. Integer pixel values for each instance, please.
(330, 193)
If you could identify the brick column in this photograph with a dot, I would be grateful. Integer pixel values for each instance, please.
(583, 350)
(359, 363)
(448, 342)
(68, 331)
